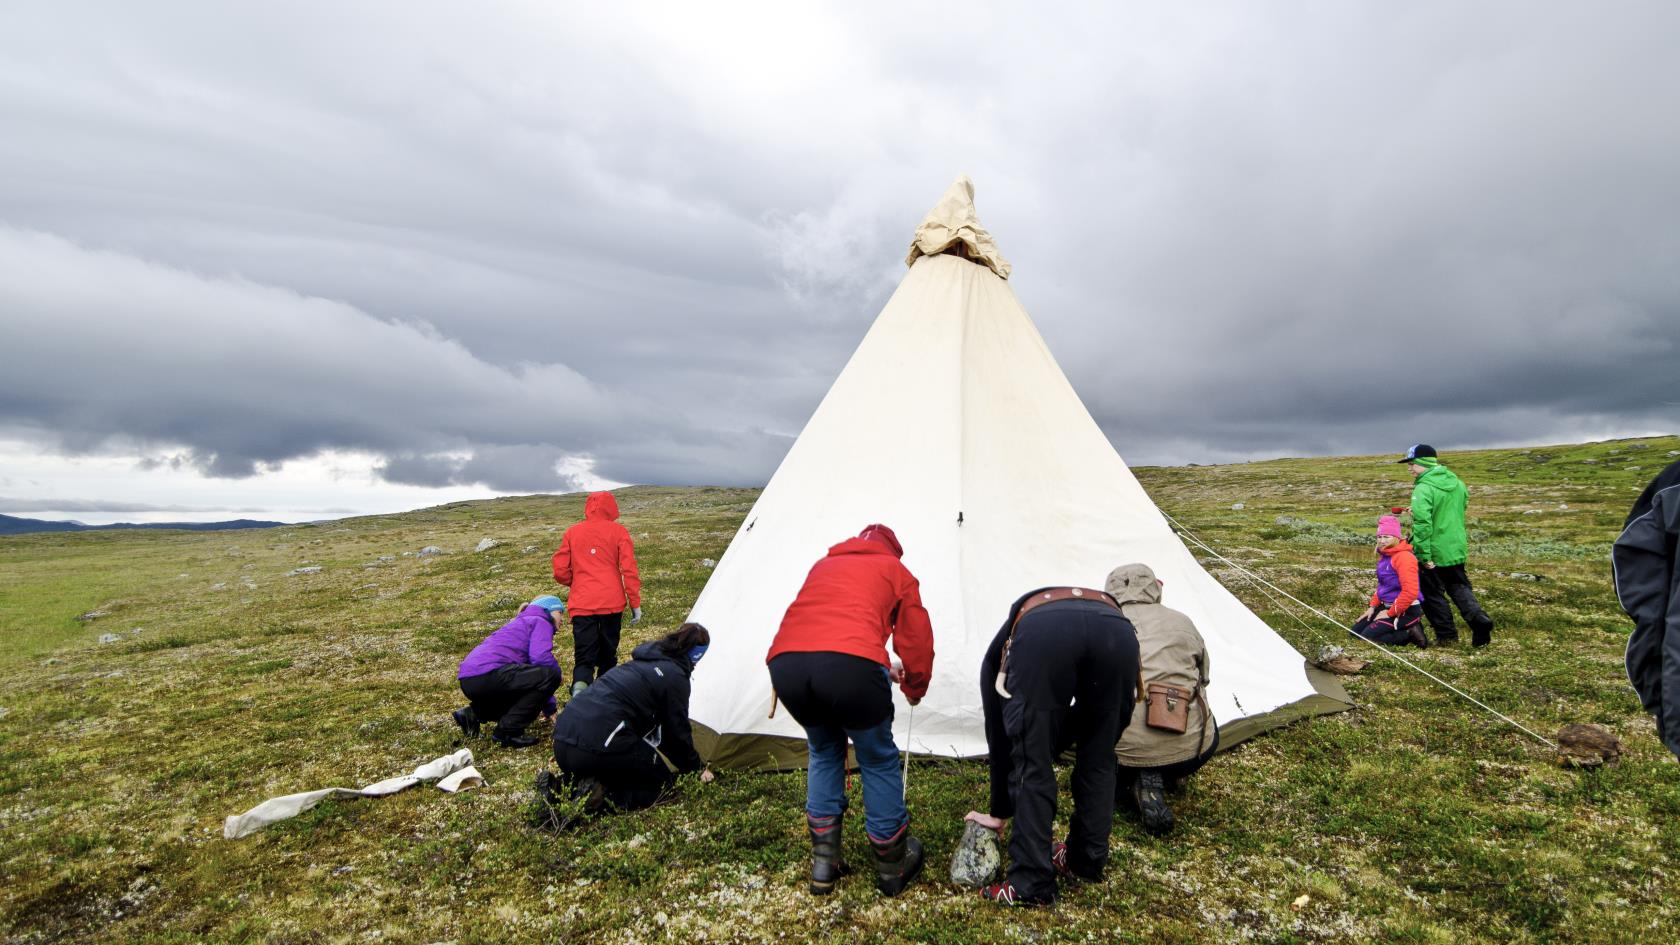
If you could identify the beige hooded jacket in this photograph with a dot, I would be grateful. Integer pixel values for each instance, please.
(1170, 651)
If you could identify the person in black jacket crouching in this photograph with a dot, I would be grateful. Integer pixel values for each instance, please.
(625, 739)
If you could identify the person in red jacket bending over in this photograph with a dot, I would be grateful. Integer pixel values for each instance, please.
(829, 666)
(597, 560)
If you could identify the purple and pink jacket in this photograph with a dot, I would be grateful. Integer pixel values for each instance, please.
(1397, 579)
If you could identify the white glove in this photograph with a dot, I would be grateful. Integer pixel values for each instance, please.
(635, 614)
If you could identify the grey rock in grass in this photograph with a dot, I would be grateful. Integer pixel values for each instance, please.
(707, 563)
(110, 638)
(1674, 452)
(527, 549)
(1531, 511)
(1525, 576)
(219, 586)
(979, 857)
(384, 558)
(430, 550)
(312, 569)
(486, 545)
(1236, 506)
(93, 615)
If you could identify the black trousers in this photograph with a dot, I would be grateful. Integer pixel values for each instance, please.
(832, 690)
(1173, 775)
(1071, 675)
(1388, 631)
(595, 644)
(1444, 586)
(511, 696)
(633, 778)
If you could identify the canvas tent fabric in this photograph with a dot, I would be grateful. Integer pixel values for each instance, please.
(953, 424)
(453, 772)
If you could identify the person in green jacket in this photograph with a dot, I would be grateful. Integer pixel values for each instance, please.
(1438, 502)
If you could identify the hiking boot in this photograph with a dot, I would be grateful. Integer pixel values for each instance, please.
(468, 720)
(1446, 639)
(1059, 860)
(593, 794)
(828, 861)
(1151, 796)
(1415, 634)
(897, 861)
(1005, 894)
(1481, 631)
(512, 739)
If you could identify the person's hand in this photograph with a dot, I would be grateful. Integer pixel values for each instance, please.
(1370, 613)
(707, 777)
(635, 615)
(1385, 615)
(1430, 565)
(913, 702)
(547, 716)
(896, 672)
(994, 824)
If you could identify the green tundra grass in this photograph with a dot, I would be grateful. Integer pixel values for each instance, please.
(1414, 818)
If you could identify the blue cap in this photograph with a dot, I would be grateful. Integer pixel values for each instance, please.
(549, 603)
(1417, 451)
(696, 652)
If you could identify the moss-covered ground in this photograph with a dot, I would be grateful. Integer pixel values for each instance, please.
(1414, 818)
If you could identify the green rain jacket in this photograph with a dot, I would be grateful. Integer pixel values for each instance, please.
(1438, 502)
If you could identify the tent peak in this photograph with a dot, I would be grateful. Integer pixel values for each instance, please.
(953, 227)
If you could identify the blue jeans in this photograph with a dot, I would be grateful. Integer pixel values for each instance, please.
(883, 782)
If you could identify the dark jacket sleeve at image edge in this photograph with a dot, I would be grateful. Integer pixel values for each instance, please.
(1645, 574)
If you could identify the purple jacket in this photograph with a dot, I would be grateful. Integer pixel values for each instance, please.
(527, 638)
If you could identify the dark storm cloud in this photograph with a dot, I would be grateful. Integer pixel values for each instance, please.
(498, 244)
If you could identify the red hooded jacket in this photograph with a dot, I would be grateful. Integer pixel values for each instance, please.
(597, 561)
(853, 600)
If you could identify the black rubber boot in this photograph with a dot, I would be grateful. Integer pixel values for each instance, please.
(468, 720)
(512, 739)
(1151, 795)
(828, 861)
(1481, 630)
(897, 861)
(1417, 637)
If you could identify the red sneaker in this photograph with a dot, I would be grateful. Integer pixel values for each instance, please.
(1004, 894)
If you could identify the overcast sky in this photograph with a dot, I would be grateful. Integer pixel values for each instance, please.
(305, 259)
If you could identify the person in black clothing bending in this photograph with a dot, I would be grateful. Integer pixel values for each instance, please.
(1055, 677)
(625, 739)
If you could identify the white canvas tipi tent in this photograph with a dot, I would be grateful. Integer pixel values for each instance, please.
(953, 424)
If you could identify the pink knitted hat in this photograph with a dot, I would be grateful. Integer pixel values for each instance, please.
(1388, 525)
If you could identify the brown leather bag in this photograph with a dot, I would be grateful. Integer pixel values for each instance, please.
(1169, 707)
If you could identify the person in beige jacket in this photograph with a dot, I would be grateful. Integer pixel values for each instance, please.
(1171, 652)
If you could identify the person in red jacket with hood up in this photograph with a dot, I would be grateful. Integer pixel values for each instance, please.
(597, 560)
(829, 666)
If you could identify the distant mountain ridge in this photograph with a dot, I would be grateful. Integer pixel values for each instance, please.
(13, 525)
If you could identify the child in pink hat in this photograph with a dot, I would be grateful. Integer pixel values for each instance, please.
(1396, 612)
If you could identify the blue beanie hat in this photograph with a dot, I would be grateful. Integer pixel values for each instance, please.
(549, 603)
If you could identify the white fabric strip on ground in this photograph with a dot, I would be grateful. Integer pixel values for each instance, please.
(456, 771)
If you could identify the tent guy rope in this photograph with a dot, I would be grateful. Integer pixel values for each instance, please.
(1186, 532)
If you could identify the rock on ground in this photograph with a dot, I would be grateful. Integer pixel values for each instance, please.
(487, 544)
(1587, 746)
(430, 550)
(312, 569)
(109, 637)
(979, 857)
